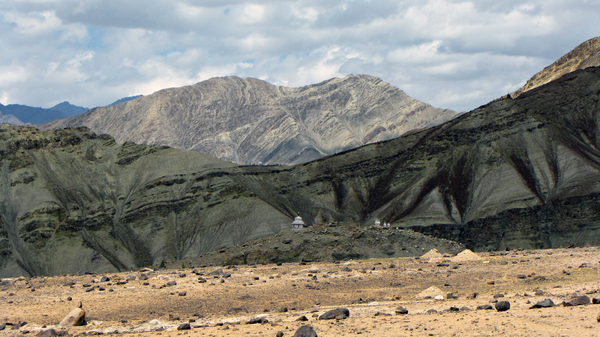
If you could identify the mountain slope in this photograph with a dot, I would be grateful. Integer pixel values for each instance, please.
(521, 172)
(27, 114)
(125, 99)
(583, 56)
(249, 121)
(69, 109)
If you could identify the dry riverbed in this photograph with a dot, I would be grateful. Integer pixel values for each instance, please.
(220, 301)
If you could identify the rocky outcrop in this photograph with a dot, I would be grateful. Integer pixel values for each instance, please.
(249, 121)
(514, 173)
(583, 56)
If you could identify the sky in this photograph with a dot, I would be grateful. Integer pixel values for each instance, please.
(448, 53)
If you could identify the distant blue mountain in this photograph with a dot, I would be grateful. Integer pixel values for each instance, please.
(69, 109)
(33, 115)
(125, 99)
(27, 114)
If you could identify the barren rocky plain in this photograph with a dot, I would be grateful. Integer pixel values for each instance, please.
(440, 292)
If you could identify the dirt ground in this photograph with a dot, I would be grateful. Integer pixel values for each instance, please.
(370, 289)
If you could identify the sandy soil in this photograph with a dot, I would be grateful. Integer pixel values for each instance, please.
(370, 289)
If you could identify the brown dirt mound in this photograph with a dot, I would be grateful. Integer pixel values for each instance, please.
(466, 255)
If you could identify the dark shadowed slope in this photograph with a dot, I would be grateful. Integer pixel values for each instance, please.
(515, 173)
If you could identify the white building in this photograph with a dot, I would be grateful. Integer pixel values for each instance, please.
(298, 224)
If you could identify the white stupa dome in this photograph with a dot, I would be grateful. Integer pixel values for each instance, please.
(298, 221)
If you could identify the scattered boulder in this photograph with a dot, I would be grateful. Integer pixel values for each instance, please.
(75, 318)
(171, 283)
(431, 311)
(184, 326)
(305, 331)
(502, 306)
(143, 277)
(104, 279)
(547, 303)
(485, 307)
(302, 319)
(521, 276)
(216, 272)
(47, 333)
(579, 300)
(595, 300)
(261, 319)
(401, 310)
(451, 296)
(339, 313)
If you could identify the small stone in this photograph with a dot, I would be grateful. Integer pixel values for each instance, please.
(502, 306)
(579, 300)
(401, 310)
(595, 300)
(485, 307)
(184, 326)
(491, 282)
(451, 296)
(104, 279)
(143, 277)
(69, 298)
(172, 283)
(302, 319)
(258, 320)
(521, 276)
(547, 303)
(339, 313)
(498, 295)
(182, 293)
(279, 334)
(305, 331)
(432, 311)
(47, 333)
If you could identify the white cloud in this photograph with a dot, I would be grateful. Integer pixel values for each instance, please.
(33, 24)
(450, 53)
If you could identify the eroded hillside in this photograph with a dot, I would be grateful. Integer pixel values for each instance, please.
(515, 173)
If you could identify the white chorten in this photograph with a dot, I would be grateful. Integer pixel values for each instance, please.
(298, 224)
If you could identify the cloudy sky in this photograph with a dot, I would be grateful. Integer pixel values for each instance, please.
(449, 53)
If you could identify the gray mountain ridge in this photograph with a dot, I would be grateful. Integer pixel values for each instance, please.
(249, 121)
(517, 173)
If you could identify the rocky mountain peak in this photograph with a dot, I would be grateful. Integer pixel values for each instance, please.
(250, 121)
(583, 56)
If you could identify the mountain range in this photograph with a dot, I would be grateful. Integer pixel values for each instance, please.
(19, 114)
(249, 121)
(519, 172)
